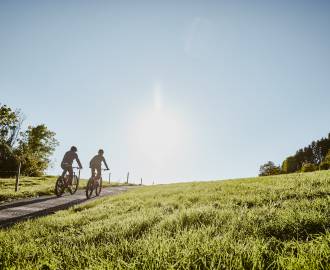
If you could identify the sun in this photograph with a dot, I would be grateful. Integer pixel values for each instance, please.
(158, 135)
(157, 132)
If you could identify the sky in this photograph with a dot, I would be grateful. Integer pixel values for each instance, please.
(171, 90)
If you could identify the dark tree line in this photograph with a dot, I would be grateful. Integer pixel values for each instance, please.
(31, 147)
(313, 157)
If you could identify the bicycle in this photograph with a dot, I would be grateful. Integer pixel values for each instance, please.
(94, 183)
(63, 183)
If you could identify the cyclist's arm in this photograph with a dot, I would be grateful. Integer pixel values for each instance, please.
(105, 163)
(79, 163)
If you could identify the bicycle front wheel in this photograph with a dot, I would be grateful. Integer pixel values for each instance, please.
(59, 186)
(89, 188)
(75, 184)
(98, 187)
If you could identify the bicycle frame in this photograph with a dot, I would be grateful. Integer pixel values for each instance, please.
(94, 183)
(74, 173)
(94, 176)
(64, 182)
(66, 177)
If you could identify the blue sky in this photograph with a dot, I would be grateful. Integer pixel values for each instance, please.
(171, 90)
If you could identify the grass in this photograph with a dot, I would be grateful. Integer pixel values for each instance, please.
(279, 222)
(32, 187)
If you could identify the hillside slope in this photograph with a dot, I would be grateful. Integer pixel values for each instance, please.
(261, 223)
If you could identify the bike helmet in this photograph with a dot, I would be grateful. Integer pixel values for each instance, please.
(101, 151)
(74, 149)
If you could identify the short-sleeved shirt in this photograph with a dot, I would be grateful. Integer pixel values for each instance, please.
(96, 161)
(69, 157)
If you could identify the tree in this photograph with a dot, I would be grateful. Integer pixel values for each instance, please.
(324, 147)
(36, 146)
(314, 153)
(269, 168)
(327, 158)
(10, 125)
(290, 165)
(32, 147)
(325, 164)
(8, 161)
(300, 158)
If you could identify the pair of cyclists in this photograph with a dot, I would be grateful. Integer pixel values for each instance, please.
(94, 164)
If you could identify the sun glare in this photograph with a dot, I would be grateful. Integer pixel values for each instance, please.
(158, 135)
(158, 132)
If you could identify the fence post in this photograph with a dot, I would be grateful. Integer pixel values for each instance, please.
(127, 178)
(17, 177)
(141, 182)
(109, 177)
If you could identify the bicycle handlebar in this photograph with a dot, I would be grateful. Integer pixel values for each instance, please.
(80, 169)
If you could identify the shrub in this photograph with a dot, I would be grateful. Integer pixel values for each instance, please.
(309, 167)
(269, 168)
(324, 166)
(327, 158)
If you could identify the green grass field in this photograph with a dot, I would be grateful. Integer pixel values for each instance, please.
(33, 187)
(279, 222)
(29, 187)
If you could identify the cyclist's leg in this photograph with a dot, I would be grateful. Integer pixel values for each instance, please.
(93, 172)
(64, 170)
(70, 170)
(98, 173)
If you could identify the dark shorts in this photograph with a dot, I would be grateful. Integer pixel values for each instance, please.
(98, 171)
(67, 168)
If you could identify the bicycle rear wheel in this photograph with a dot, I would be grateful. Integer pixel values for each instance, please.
(98, 187)
(89, 188)
(59, 186)
(75, 184)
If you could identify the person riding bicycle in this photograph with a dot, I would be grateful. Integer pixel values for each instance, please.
(96, 162)
(67, 161)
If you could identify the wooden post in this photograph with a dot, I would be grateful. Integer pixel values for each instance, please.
(127, 178)
(141, 182)
(109, 177)
(17, 177)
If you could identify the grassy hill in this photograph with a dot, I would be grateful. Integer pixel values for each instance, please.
(279, 222)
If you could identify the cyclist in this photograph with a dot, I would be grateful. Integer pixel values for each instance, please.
(96, 162)
(67, 161)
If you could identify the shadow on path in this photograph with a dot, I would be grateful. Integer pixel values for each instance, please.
(14, 212)
(26, 202)
(11, 221)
